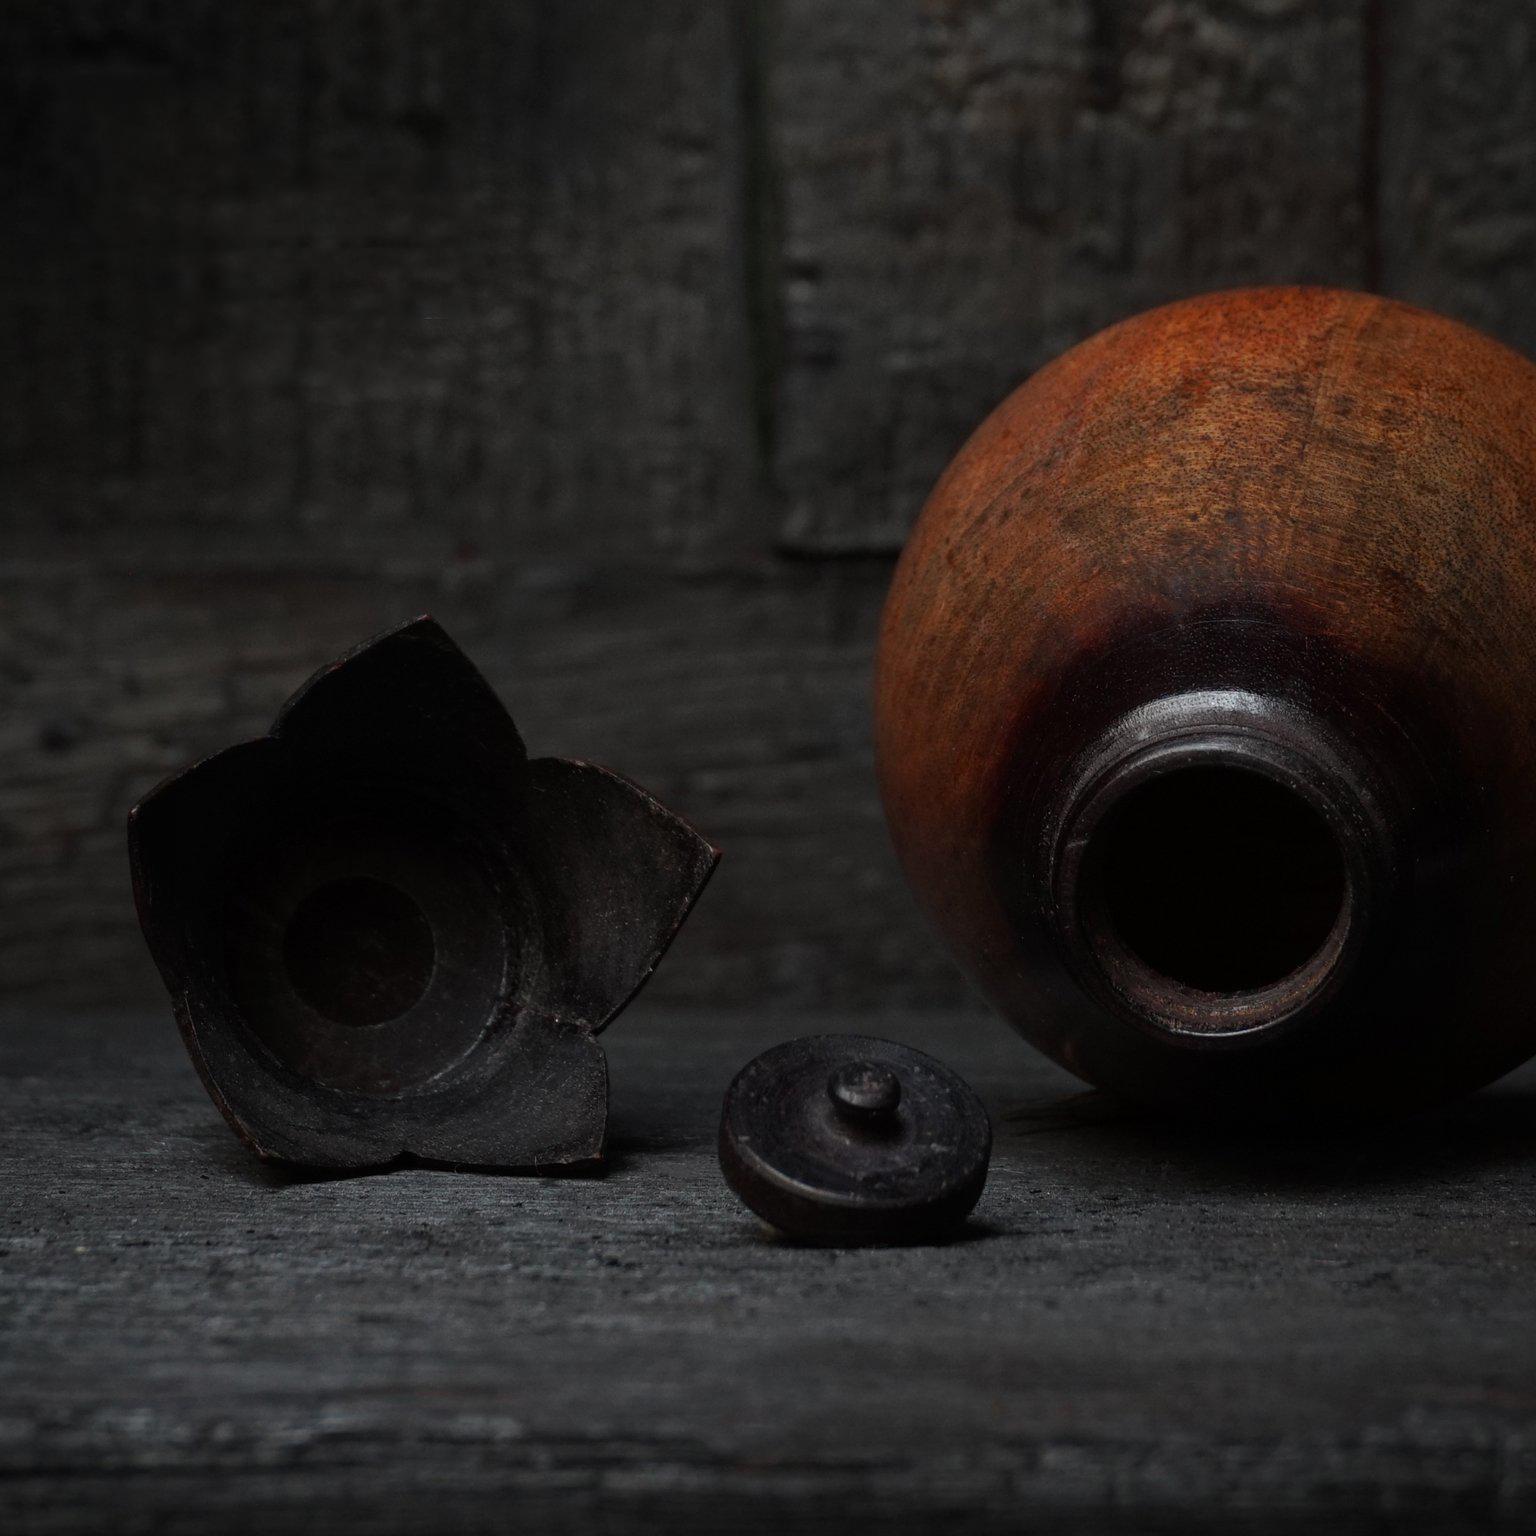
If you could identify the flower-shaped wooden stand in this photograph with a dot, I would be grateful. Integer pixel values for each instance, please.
(387, 932)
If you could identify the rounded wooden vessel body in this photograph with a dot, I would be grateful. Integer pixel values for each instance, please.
(1206, 705)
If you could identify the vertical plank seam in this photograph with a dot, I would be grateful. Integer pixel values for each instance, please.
(760, 233)
(1373, 30)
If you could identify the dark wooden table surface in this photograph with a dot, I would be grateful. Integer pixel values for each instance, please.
(1146, 1326)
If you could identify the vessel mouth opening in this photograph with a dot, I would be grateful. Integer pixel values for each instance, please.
(1218, 878)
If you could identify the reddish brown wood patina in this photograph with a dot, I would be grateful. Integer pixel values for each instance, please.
(1204, 704)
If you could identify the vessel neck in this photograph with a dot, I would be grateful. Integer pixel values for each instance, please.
(1217, 864)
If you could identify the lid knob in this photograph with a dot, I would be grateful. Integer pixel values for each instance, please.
(865, 1091)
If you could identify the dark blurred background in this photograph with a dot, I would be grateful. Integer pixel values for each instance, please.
(627, 339)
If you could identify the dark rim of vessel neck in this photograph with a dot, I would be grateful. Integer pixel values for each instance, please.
(1217, 865)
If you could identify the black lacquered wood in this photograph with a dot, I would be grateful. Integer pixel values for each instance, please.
(851, 1139)
(386, 931)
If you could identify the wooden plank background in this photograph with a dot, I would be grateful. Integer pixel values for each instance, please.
(627, 339)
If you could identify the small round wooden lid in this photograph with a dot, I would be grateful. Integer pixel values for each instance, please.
(849, 1139)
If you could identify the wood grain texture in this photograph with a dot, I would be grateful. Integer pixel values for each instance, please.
(316, 315)
(739, 699)
(968, 189)
(1458, 175)
(1317, 506)
(1145, 1330)
(375, 275)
